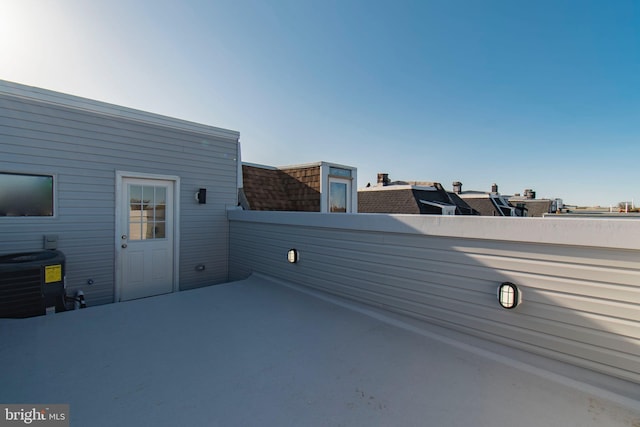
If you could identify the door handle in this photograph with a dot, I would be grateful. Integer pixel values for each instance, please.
(124, 245)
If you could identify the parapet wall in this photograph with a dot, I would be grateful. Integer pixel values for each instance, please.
(580, 278)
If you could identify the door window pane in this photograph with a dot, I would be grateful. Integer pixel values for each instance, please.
(147, 213)
(160, 204)
(161, 195)
(135, 194)
(159, 230)
(135, 212)
(147, 194)
(160, 212)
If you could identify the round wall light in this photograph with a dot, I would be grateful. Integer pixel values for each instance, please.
(508, 295)
(293, 256)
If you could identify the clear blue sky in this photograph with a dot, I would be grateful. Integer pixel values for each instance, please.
(526, 94)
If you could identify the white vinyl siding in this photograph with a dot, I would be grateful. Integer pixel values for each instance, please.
(83, 143)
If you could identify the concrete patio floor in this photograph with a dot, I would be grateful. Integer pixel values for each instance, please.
(263, 353)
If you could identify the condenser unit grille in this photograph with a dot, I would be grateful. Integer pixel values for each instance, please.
(21, 293)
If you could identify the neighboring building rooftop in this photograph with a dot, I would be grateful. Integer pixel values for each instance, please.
(312, 187)
(281, 189)
(535, 207)
(410, 197)
(489, 203)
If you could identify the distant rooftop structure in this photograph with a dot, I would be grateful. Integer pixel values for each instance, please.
(489, 203)
(537, 207)
(410, 197)
(311, 187)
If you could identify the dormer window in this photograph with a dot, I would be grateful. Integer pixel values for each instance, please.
(446, 208)
(503, 206)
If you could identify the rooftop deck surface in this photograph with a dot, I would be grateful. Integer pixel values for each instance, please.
(263, 353)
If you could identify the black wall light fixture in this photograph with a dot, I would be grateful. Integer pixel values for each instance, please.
(509, 296)
(293, 256)
(201, 196)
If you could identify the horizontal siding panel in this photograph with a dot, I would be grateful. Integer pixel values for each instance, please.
(114, 137)
(78, 231)
(553, 268)
(75, 187)
(528, 254)
(94, 151)
(69, 118)
(568, 285)
(451, 263)
(32, 164)
(80, 155)
(393, 244)
(612, 309)
(580, 256)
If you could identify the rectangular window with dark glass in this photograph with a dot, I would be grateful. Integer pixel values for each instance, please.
(26, 195)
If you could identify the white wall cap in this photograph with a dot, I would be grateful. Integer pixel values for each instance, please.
(593, 232)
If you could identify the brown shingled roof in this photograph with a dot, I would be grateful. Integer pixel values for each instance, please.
(401, 201)
(302, 186)
(483, 205)
(535, 207)
(293, 189)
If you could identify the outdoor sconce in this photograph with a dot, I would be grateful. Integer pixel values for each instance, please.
(293, 256)
(508, 295)
(201, 196)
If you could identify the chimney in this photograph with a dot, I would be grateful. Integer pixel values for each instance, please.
(383, 179)
(529, 194)
(494, 188)
(457, 187)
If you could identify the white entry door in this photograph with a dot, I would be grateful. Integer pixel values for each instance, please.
(145, 243)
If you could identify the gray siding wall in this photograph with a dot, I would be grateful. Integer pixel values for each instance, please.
(83, 143)
(580, 278)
